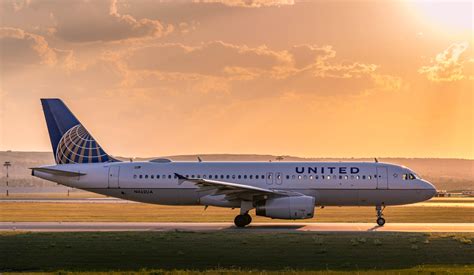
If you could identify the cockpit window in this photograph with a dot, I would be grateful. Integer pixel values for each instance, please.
(409, 176)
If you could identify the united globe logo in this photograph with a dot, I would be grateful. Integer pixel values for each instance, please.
(78, 146)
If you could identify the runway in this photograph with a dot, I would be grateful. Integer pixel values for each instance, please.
(219, 227)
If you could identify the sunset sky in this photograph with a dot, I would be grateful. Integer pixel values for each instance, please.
(310, 79)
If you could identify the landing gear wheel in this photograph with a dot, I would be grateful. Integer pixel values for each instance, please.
(380, 219)
(240, 221)
(248, 219)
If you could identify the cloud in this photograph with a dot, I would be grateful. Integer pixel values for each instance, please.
(212, 58)
(306, 54)
(94, 21)
(249, 3)
(448, 65)
(250, 71)
(20, 48)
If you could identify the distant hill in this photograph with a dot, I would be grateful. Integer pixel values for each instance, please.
(446, 174)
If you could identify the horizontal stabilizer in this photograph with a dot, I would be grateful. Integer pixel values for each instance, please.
(57, 172)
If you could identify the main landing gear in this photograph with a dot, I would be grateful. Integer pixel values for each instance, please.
(242, 220)
(380, 219)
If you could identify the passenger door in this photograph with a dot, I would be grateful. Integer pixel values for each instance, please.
(382, 177)
(114, 173)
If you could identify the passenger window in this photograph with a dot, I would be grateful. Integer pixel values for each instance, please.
(346, 177)
(293, 177)
(157, 176)
(370, 177)
(134, 176)
(140, 176)
(256, 176)
(311, 177)
(329, 177)
(299, 177)
(340, 177)
(404, 176)
(146, 176)
(287, 177)
(227, 176)
(363, 177)
(239, 177)
(317, 177)
(357, 177)
(245, 176)
(152, 176)
(169, 176)
(251, 176)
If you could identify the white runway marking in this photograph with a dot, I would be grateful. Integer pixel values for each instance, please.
(254, 227)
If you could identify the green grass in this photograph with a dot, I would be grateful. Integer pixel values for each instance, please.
(236, 251)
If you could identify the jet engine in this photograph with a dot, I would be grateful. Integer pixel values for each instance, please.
(292, 208)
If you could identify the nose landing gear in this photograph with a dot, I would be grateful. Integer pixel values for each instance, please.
(242, 220)
(380, 219)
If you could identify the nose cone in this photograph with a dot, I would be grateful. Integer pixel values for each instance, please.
(429, 190)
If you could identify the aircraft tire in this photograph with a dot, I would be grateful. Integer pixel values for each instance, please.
(248, 219)
(240, 221)
(380, 221)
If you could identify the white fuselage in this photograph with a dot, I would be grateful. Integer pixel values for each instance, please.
(330, 183)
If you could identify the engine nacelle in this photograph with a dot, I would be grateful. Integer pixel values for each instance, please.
(297, 207)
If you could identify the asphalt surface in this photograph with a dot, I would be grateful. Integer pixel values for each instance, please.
(254, 227)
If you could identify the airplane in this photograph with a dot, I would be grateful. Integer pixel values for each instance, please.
(277, 190)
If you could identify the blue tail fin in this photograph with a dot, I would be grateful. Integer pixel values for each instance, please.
(70, 140)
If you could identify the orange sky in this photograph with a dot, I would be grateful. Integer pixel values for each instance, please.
(312, 79)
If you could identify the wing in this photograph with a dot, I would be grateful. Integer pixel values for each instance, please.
(234, 191)
(57, 172)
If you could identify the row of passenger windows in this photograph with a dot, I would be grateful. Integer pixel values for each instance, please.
(269, 177)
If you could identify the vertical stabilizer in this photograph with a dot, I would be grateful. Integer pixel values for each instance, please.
(70, 140)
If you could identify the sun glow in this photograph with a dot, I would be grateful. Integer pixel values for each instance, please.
(449, 16)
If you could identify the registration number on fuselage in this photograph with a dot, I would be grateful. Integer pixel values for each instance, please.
(143, 191)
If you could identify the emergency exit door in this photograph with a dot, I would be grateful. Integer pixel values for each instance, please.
(269, 178)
